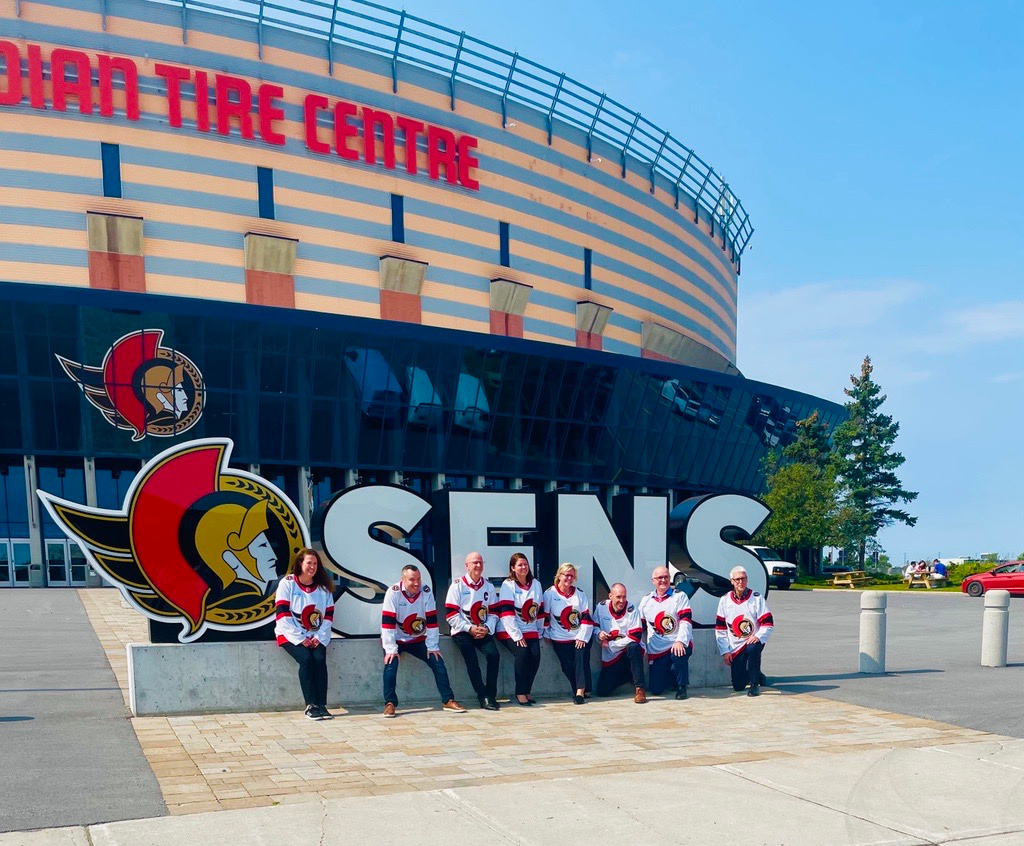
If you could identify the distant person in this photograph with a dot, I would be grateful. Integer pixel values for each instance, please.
(909, 570)
(470, 609)
(520, 623)
(408, 626)
(305, 609)
(619, 631)
(669, 621)
(742, 628)
(568, 627)
(938, 569)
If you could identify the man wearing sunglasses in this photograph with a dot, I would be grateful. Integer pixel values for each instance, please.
(742, 628)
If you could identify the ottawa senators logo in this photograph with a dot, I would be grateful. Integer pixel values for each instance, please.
(528, 612)
(742, 627)
(664, 624)
(569, 618)
(142, 387)
(414, 625)
(195, 542)
(311, 618)
(478, 613)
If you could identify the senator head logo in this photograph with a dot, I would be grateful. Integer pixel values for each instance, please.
(196, 542)
(142, 386)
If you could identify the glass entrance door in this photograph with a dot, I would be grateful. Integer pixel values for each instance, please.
(15, 558)
(65, 564)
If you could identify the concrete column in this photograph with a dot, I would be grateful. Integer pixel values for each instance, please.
(995, 628)
(37, 569)
(872, 632)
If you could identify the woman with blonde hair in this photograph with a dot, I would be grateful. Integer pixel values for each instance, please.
(568, 627)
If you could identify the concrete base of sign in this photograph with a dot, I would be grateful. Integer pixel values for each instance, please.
(207, 678)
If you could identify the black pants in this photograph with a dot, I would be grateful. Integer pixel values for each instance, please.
(575, 663)
(746, 667)
(670, 670)
(468, 646)
(312, 672)
(628, 667)
(526, 662)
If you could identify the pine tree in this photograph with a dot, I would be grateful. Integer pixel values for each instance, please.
(866, 464)
(812, 443)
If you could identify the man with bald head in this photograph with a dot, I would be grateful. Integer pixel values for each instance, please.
(622, 653)
(666, 613)
(742, 628)
(471, 612)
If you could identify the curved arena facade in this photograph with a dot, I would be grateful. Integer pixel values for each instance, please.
(365, 248)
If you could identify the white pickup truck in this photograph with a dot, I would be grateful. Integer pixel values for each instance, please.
(781, 574)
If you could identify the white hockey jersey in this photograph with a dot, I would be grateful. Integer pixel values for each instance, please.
(302, 612)
(668, 619)
(408, 619)
(624, 629)
(520, 610)
(739, 618)
(567, 617)
(471, 604)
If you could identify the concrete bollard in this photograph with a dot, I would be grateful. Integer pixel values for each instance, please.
(872, 632)
(995, 628)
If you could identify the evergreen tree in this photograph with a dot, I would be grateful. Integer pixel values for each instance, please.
(812, 444)
(866, 463)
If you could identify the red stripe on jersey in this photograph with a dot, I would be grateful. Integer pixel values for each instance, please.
(281, 640)
(766, 620)
(720, 623)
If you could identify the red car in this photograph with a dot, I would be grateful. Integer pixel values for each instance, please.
(1008, 576)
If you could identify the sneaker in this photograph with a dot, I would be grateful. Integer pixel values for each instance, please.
(389, 710)
(755, 690)
(682, 694)
(325, 714)
(640, 698)
(452, 707)
(312, 713)
(579, 700)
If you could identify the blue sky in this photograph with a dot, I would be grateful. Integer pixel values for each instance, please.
(877, 147)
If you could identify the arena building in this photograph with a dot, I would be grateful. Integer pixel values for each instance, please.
(363, 246)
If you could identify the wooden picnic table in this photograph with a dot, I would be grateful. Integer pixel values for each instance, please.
(851, 579)
(926, 580)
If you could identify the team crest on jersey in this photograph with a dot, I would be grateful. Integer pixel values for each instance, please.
(478, 613)
(195, 542)
(529, 611)
(664, 623)
(311, 618)
(743, 627)
(414, 625)
(569, 618)
(142, 387)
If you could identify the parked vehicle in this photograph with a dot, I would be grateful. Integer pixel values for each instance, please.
(1008, 576)
(380, 393)
(425, 406)
(781, 574)
(472, 410)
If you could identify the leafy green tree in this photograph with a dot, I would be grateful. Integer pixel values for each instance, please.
(812, 445)
(866, 463)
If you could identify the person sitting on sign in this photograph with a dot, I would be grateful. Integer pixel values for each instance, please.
(470, 609)
(669, 621)
(568, 627)
(619, 631)
(305, 610)
(742, 628)
(519, 623)
(408, 626)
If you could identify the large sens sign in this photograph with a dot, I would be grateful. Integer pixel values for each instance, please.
(218, 102)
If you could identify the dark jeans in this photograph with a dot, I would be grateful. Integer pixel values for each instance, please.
(468, 646)
(670, 670)
(628, 667)
(746, 667)
(437, 667)
(575, 663)
(526, 662)
(312, 672)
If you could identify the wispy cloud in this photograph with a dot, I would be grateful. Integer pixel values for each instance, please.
(993, 322)
(1004, 378)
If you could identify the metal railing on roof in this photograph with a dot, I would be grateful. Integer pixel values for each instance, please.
(401, 37)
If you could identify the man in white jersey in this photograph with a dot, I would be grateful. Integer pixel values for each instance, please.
(620, 628)
(742, 628)
(471, 609)
(668, 618)
(408, 626)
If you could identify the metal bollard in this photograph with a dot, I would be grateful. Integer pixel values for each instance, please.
(995, 628)
(872, 632)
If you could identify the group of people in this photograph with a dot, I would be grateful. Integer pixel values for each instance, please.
(518, 616)
(935, 570)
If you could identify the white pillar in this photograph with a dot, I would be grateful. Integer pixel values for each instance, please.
(995, 628)
(872, 632)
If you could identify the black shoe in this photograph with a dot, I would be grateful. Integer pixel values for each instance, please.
(324, 713)
(755, 690)
(312, 713)
(682, 694)
(579, 700)
(490, 705)
(526, 704)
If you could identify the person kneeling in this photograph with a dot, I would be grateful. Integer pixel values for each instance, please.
(742, 628)
(622, 653)
(408, 626)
